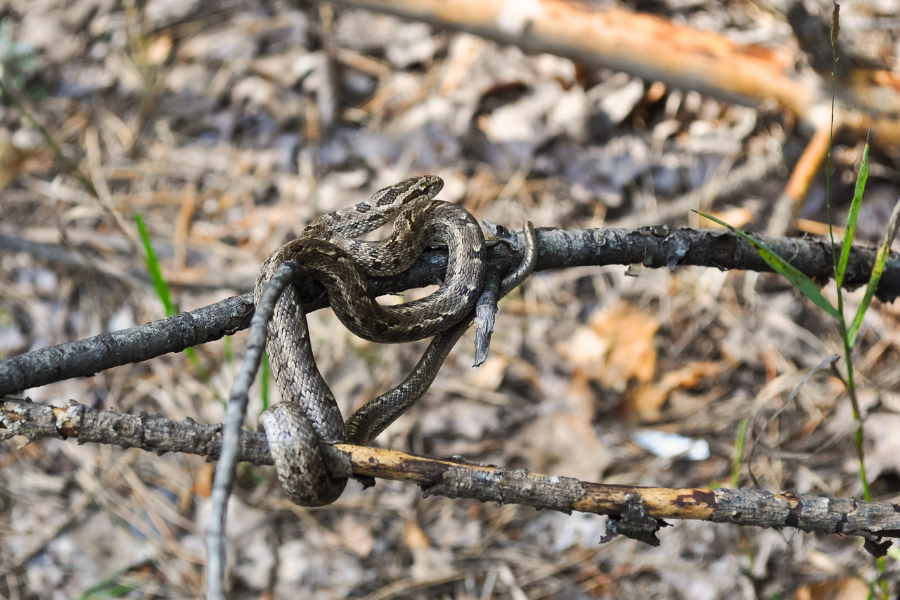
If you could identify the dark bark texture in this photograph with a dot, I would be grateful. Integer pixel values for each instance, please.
(652, 247)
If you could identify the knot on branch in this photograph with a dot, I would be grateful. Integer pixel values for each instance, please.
(634, 523)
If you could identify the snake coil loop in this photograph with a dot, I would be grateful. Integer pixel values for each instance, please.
(329, 253)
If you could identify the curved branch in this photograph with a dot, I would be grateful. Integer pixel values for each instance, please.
(656, 49)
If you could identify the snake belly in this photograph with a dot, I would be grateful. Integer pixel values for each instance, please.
(328, 251)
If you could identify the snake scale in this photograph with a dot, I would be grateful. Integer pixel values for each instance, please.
(331, 255)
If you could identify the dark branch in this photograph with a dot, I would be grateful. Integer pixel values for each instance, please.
(653, 247)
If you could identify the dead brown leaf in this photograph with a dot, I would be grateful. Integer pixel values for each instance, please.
(413, 536)
(616, 347)
(649, 399)
(203, 484)
(490, 375)
(848, 588)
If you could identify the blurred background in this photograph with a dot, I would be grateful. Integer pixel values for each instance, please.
(228, 125)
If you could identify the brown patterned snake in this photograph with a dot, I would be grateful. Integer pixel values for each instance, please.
(330, 254)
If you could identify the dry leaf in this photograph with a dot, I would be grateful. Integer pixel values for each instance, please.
(585, 349)
(883, 457)
(689, 375)
(490, 375)
(616, 347)
(413, 536)
(629, 333)
(9, 163)
(649, 399)
(203, 484)
(848, 588)
(648, 402)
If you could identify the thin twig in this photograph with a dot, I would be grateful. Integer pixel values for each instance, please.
(234, 418)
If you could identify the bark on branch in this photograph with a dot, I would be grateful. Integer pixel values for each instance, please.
(636, 512)
(652, 247)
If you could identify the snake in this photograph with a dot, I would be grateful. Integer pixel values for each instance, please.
(330, 252)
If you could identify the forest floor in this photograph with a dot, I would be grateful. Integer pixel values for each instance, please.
(228, 127)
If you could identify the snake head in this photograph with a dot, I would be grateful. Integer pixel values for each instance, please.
(429, 185)
(424, 187)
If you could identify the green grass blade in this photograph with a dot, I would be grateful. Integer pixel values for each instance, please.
(159, 282)
(884, 251)
(162, 289)
(195, 360)
(115, 585)
(853, 214)
(797, 278)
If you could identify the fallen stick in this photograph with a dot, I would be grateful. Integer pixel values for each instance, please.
(655, 49)
(634, 511)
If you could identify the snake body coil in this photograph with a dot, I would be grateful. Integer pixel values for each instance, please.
(330, 254)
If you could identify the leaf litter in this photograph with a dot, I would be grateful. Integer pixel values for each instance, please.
(232, 120)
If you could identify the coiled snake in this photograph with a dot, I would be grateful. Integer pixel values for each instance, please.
(330, 254)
